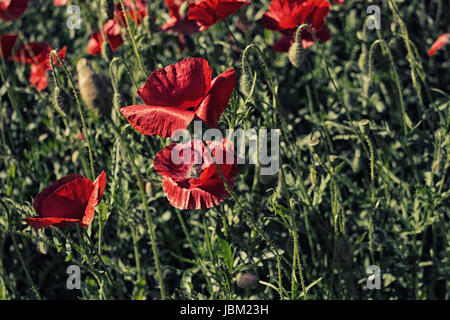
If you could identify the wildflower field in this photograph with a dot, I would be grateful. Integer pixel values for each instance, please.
(224, 149)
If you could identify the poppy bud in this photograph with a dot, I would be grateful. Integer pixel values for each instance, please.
(244, 82)
(247, 280)
(108, 6)
(117, 100)
(107, 52)
(61, 101)
(296, 54)
(94, 88)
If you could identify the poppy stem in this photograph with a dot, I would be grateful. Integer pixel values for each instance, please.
(80, 110)
(16, 247)
(148, 216)
(133, 41)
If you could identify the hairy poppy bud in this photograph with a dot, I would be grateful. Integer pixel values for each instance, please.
(108, 6)
(244, 82)
(94, 88)
(247, 280)
(296, 54)
(117, 100)
(61, 101)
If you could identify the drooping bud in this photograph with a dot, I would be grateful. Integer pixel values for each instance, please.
(95, 90)
(313, 176)
(108, 7)
(296, 54)
(117, 101)
(61, 101)
(247, 280)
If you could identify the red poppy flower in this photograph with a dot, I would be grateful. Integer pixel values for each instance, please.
(286, 15)
(177, 94)
(38, 55)
(68, 201)
(207, 12)
(7, 42)
(194, 183)
(178, 24)
(60, 3)
(113, 34)
(439, 43)
(136, 10)
(12, 9)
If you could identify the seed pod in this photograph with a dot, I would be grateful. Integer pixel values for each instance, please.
(61, 101)
(94, 89)
(247, 280)
(108, 7)
(296, 54)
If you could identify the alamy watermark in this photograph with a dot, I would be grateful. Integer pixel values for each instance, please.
(258, 147)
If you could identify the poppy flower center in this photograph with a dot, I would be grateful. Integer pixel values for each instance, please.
(195, 171)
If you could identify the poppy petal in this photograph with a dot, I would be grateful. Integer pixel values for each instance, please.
(95, 197)
(113, 35)
(192, 198)
(68, 201)
(183, 84)
(7, 42)
(94, 46)
(162, 121)
(51, 188)
(38, 77)
(217, 99)
(39, 223)
(12, 9)
(439, 43)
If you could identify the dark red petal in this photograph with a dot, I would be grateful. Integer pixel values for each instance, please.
(12, 9)
(51, 188)
(28, 53)
(38, 77)
(217, 99)
(48, 222)
(68, 201)
(183, 84)
(7, 42)
(174, 8)
(162, 121)
(113, 35)
(95, 197)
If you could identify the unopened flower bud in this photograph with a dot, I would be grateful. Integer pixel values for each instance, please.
(107, 52)
(314, 144)
(296, 54)
(94, 88)
(61, 101)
